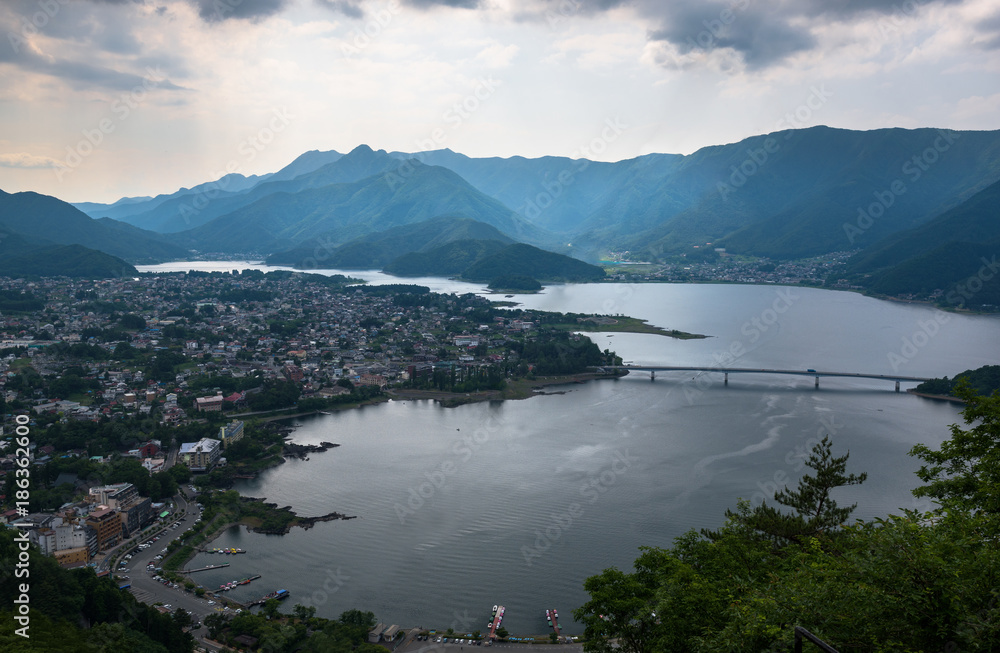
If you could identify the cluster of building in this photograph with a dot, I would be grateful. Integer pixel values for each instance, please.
(206, 453)
(243, 327)
(76, 532)
(311, 335)
(384, 634)
(733, 269)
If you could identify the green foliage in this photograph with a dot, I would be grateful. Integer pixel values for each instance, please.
(911, 582)
(984, 381)
(322, 218)
(445, 260)
(516, 283)
(132, 322)
(275, 394)
(964, 474)
(816, 512)
(67, 260)
(244, 295)
(531, 261)
(15, 301)
(62, 599)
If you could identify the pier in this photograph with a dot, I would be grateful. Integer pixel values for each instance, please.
(237, 583)
(278, 594)
(495, 622)
(191, 571)
(726, 371)
(553, 618)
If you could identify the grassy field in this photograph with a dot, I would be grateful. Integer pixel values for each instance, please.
(625, 325)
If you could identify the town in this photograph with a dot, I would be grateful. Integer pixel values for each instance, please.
(135, 386)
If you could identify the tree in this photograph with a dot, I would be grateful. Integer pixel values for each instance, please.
(270, 609)
(304, 613)
(502, 633)
(358, 618)
(965, 472)
(815, 510)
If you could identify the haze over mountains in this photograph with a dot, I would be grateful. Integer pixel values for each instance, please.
(894, 194)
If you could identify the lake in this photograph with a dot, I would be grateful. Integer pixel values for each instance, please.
(518, 502)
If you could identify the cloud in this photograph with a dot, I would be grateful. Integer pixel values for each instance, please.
(27, 161)
(349, 8)
(55, 41)
(457, 4)
(990, 28)
(496, 55)
(214, 11)
(759, 37)
(748, 33)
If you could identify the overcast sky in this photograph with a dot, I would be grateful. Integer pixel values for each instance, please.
(101, 99)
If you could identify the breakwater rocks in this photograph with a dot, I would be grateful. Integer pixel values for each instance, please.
(290, 449)
(279, 521)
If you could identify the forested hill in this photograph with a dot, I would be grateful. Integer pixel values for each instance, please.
(984, 380)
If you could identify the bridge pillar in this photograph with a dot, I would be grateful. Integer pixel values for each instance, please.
(725, 381)
(897, 386)
(817, 381)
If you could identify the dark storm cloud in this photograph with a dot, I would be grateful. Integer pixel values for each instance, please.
(349, 8)
(76, 26)
(214, 11)
(760, 38)
(84, 75)
(764, 33)
(761, 32)
(460, 4)
(990, 28)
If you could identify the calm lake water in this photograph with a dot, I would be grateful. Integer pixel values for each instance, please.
(518, 502)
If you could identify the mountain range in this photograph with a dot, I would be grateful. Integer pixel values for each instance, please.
(892, 195)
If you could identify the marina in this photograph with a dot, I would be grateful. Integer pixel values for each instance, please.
(208, 568)
(225, 587)
(498, 611)
(226, 550)
(277, 594)
(553, 618)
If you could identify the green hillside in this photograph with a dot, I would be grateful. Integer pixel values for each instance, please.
(533, 262)
(343, 212)
(64, 260)
(47, 220)
(957, 274)
(977, 220)
(984, 380)
(446, 260)
(374, 251)
(790, 194)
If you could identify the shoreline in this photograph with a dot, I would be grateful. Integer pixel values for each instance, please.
(516, 390)
(926, 395)
(860, 291)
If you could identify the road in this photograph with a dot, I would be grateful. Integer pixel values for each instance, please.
(430, 646)
(149, 591)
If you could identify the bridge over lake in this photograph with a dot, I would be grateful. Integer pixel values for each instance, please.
(726, 371)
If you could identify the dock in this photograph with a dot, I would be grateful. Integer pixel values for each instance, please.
(553, 618)
(498, 611)
(191, 571)
(237, 583)
(277, 594)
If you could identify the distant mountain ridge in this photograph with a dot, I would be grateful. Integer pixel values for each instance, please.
(43, 220)
(378, 250)
(785, 195)
(449, 246)
(951, 259)
(339, 212)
